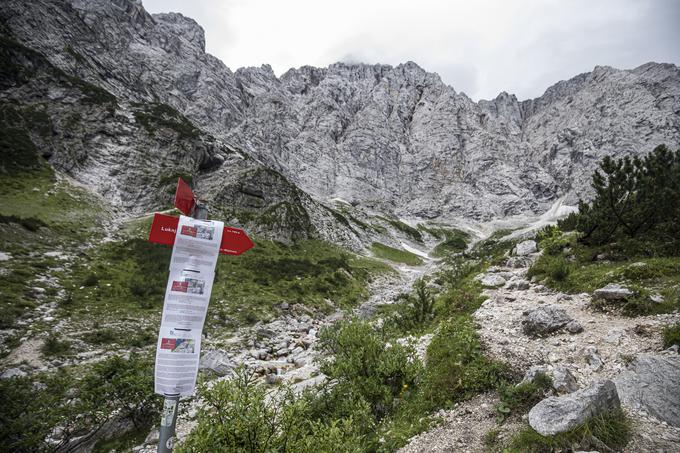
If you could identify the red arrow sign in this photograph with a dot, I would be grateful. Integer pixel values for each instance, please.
(164, 227)
(184, 197)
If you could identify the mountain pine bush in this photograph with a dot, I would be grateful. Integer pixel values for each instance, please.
(636, 199)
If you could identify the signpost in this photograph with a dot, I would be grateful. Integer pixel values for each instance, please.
(196, 242)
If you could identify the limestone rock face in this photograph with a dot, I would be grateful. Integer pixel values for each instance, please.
(652, 383)
(130, 154)
(555, 415)
(395, 138)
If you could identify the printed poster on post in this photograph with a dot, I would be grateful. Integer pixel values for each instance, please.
(192, 271)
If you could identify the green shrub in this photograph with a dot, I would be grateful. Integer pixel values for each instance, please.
(31, 408)
(101, 336)
(611, 429)
(636, 198)
(415, 310)
(154, 116)
(53, 346)
(553, 241)
(30, 223)
(34, 406)
(523, 396)
(91, 280)
(356, 357)
(241, 416)
(671, 335)
(555, 268)
(120, 386)
(456, 366)
(413, 233)
(454, 241)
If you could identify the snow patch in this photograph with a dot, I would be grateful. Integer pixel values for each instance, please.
(341, 200)
(415, 251)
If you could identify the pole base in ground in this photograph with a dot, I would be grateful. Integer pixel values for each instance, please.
(166, 438)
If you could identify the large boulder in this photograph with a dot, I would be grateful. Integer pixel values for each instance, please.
(545, 320)
(613, 291)
(557, 414)
(652, 383)
(217, 362)
(526, 248)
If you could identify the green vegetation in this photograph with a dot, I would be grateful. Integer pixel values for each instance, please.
(413, 233)
(610, 430)
(38, 214)
(34, 406)
(170, 180)
(238, 416)
(457, 368)
(55, 347)
(379, 393)
(520, 398)
(124, 279)
(455, 241)
(414, 310)
(627, 235)
(637, 199)
(395, 255)
(155, 116)
(671, 335)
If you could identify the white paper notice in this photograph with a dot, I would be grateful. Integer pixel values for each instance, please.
(192, 271)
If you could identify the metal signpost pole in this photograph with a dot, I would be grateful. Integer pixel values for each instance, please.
(164, 230)
(168, 421)
(166, 436)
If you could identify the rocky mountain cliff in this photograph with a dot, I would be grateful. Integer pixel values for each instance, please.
(393, 138)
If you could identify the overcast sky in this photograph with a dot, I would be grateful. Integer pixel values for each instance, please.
(478, 47)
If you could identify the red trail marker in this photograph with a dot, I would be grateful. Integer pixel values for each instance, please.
(184, 197)
(164, 227)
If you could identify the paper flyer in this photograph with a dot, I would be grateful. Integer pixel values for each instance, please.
(192, 271)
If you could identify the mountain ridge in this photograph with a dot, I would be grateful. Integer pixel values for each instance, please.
(392, 138)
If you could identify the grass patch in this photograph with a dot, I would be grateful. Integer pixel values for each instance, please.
(671, 335)
(126, 279)
(53, 346)
(521, 397)
(643, 275)
(612, 430)
(455, 241)
(457, 368)
(395, 255)
(408, 230)
(161, 116)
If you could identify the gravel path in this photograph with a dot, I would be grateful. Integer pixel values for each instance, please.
(615, 339)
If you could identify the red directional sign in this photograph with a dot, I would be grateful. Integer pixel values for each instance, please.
(164, 227)
(184, 197)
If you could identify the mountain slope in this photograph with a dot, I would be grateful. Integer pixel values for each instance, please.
(131, 153)
(393, 138)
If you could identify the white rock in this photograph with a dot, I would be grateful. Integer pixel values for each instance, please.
(526, 248)
(492, 281)
(613, 291)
